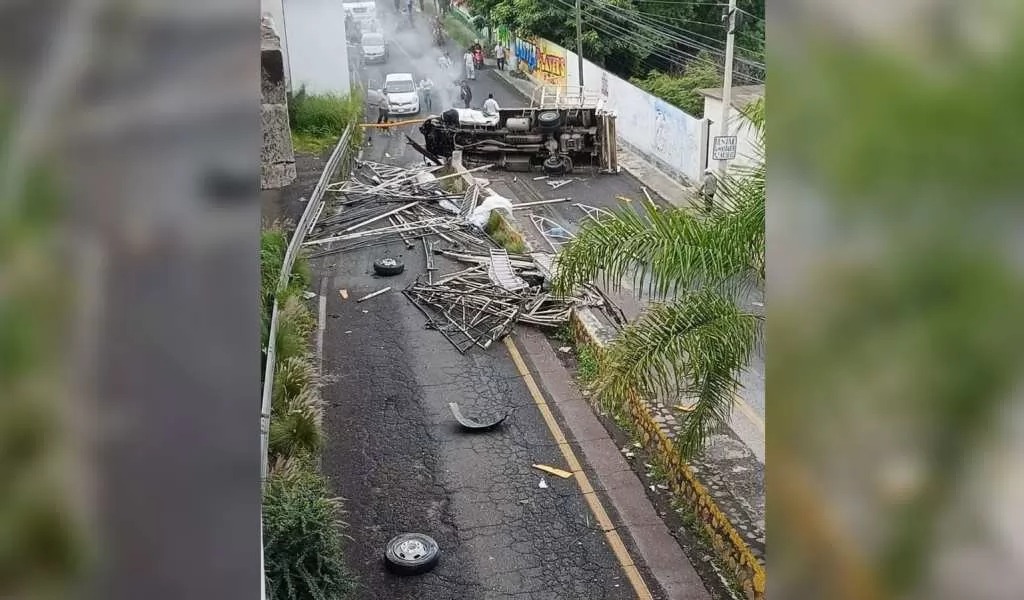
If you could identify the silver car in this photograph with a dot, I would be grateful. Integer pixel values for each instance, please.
(374, 48)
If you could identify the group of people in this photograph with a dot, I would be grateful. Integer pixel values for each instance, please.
(473, 59)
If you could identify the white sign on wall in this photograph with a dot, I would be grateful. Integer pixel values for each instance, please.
(724, 147)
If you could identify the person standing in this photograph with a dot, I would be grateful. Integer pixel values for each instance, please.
(499, 55)
(383, 110)
(427, 92)
(491, 106)
(466, 94)
(467, 60)
(708, 187)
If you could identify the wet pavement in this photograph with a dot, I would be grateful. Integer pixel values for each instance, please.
(396, 455)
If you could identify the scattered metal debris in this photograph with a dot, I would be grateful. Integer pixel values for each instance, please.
(472, 424)
(344, 294)
(374, 294)
(554, 234)
(559, 183)
(554, 471)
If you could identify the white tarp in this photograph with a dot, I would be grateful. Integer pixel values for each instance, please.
(482, 213)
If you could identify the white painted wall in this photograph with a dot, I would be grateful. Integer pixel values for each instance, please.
(317, 49)
(739, 125)
(661, 133)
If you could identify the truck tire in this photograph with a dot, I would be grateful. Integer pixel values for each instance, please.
(386, 267)
(555, 165)
(411, 554)
(549, 119)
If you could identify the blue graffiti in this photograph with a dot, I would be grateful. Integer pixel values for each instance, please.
(526, 53)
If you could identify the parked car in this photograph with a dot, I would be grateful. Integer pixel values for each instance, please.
(374, 48)
(403, 96)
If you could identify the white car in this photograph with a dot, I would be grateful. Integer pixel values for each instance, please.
(403, 96)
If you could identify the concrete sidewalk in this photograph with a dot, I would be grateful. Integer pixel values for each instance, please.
(732, 468)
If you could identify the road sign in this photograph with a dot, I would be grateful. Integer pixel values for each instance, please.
(724, 147)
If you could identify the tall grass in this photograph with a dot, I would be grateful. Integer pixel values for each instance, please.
(318, 120)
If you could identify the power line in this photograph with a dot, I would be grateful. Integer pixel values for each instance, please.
(654, 22)
(676, 36)
(668, 53)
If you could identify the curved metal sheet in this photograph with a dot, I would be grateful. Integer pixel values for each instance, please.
(472, 424)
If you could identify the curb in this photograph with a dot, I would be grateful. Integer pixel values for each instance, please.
(726, 541)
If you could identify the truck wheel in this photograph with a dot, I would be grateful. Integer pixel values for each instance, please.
(549, 119)
(554, 165)
(411, 554)
(387, 267)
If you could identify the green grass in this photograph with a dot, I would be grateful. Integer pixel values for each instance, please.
(586, 364)
(506, 237)
(318, 120)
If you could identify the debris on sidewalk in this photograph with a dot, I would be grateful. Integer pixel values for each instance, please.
(554, 471)
(543, 484)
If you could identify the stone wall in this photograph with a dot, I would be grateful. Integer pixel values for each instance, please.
(277, 158)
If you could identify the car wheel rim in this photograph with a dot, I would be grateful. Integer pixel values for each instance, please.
(411, 550)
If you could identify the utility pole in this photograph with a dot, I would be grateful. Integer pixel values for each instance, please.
(730, 43)
(579, 44)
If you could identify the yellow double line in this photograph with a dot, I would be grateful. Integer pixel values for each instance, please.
(589, 495)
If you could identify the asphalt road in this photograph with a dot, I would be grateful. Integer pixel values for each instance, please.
(413, 52)
(397, 457)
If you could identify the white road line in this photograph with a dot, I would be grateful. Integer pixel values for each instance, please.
(321, 326)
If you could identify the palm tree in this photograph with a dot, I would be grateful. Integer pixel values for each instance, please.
(694, 338)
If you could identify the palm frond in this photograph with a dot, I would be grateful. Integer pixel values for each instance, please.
(693, 347)
(663, 253)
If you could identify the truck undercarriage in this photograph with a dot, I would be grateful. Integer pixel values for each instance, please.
(556, 136)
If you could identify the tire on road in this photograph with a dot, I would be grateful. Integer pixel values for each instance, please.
(388, 266)
(411, 554)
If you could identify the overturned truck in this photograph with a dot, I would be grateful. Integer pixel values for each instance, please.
(559, 132)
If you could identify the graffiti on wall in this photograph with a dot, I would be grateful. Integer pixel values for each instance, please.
(541, 59)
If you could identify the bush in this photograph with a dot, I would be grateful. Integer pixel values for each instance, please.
(681, 90)
(295, 433)
(318, 120)
(303, 553)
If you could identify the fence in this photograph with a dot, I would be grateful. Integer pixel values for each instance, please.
(305, 224)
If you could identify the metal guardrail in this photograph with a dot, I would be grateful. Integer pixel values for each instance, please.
(304, 226)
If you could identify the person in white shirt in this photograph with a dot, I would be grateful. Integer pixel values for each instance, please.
(499, 55)
(467, 60)
(491, 106)
(445, 62)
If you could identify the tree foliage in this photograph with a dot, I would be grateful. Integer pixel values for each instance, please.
(695, 338)
(682, 90)
(630, 37)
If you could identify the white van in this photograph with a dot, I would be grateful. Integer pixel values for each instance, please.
(403, 96)
(364, 13)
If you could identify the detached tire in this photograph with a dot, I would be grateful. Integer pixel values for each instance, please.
(411, 554)
(549, 120)
(387, 267)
